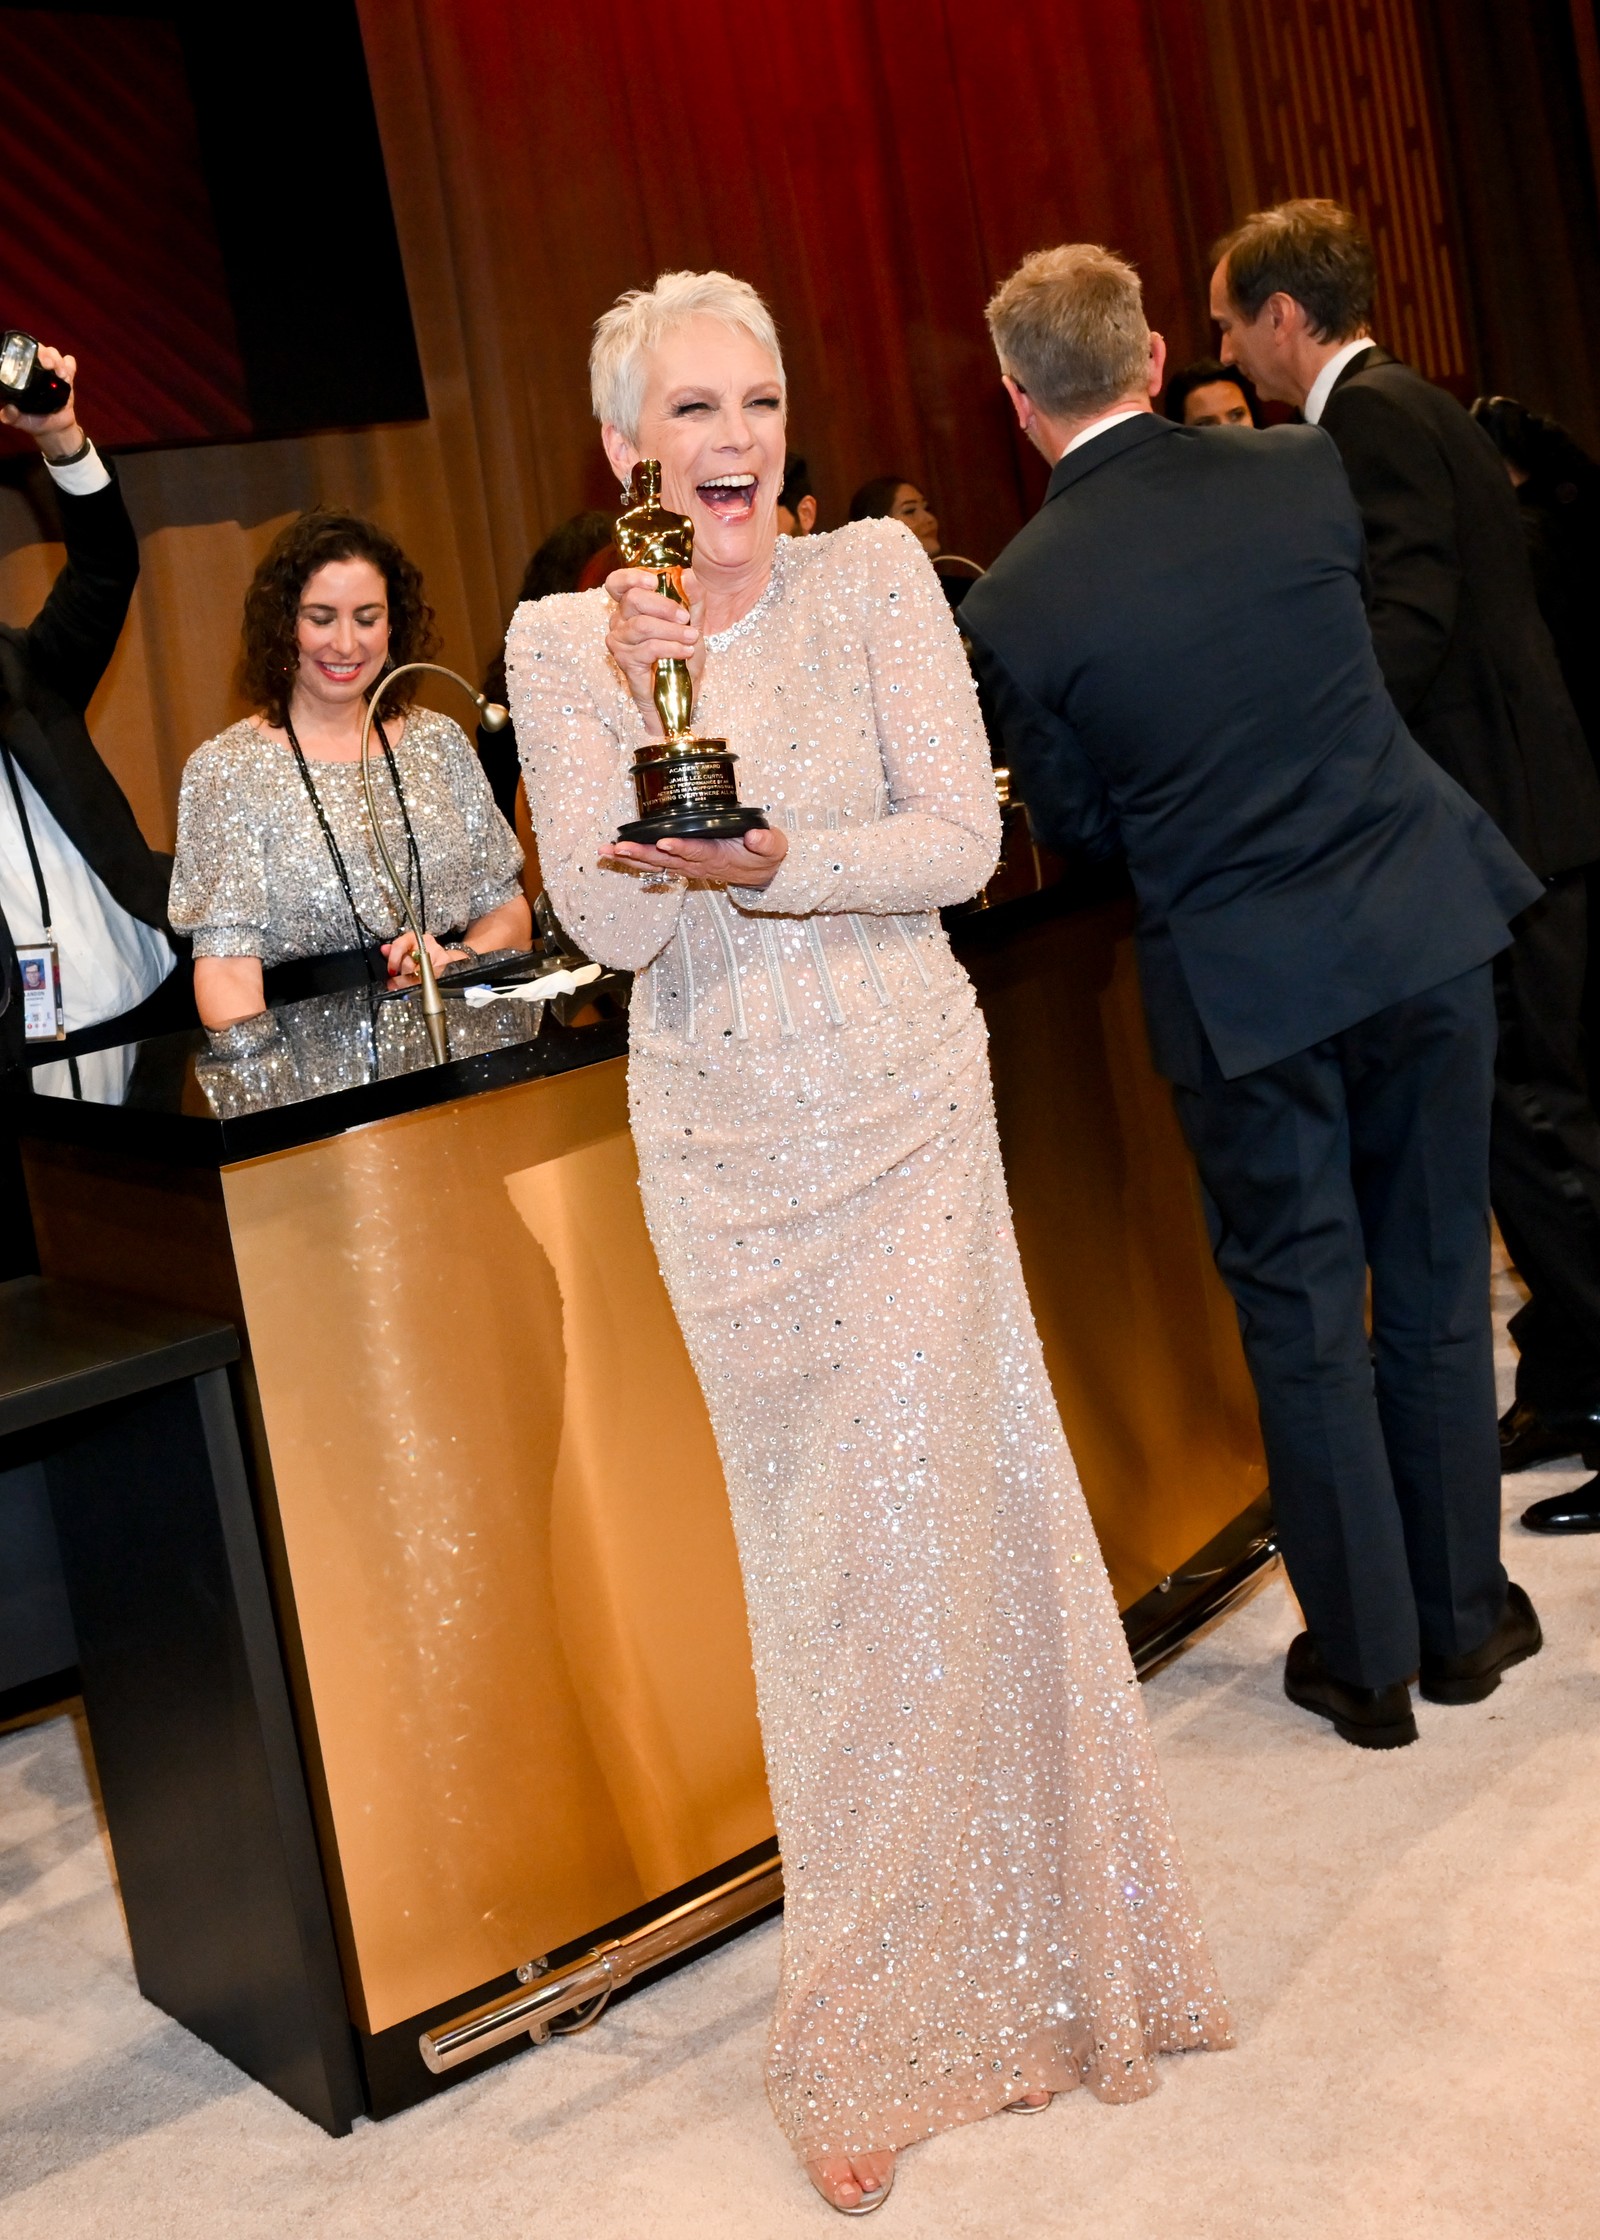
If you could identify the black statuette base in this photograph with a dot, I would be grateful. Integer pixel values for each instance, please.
(685, 790)
(694, 824)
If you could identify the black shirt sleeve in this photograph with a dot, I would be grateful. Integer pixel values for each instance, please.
(75, 632)
(1068, 804)
(1408, 510)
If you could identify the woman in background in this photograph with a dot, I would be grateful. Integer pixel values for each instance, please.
(1208, 394)
(891, 497)
(276, 860)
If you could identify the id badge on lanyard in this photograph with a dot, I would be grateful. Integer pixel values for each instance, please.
(43, 1019)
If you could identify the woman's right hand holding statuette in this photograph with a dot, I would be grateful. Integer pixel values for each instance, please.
(647, 627)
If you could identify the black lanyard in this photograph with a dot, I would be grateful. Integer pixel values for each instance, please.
(366, 936)
(33, 859)
(27, 840)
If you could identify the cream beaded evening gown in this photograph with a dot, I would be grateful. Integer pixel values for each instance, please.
(983, 1890)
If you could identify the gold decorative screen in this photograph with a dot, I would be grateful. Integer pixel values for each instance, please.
(1335, 94)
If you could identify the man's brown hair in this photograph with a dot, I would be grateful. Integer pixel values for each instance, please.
(1069, 328)
(1313, 251)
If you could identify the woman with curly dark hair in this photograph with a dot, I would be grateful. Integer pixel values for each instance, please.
(276, 859)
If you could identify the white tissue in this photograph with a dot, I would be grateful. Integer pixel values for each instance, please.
(533, 991)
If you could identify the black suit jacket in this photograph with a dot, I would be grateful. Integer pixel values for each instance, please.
(1176, 656)
(1461, 642)
(48, 674)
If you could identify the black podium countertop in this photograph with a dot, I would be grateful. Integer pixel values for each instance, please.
(307, 1071)
(337, 1060)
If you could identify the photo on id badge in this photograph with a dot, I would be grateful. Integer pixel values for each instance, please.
(40, 968)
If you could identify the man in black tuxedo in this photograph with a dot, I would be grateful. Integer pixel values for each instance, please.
(1472, 669)
(77, 877)
(1176, 656)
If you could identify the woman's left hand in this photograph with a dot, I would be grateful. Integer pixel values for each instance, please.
(401, 954)
(750, 861)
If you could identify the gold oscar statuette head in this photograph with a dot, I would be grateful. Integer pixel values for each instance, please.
(650, 536)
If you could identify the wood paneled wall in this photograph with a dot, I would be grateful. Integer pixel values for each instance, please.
(1338, 104)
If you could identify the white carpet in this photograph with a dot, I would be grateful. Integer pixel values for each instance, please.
(1411, 1941)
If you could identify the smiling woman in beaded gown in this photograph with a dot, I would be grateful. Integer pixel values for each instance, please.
(985, 1903)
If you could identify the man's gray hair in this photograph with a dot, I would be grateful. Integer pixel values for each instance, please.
(1069, 328)
(625, 335)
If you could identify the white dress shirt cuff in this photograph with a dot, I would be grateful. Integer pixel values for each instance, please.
(84, 477)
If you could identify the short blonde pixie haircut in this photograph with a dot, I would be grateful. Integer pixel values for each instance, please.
(625, 335)
(1069, 328)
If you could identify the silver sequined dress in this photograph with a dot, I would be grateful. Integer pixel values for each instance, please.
(983, 1890)
(252, 875)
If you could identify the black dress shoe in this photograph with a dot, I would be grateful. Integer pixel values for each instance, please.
(1371, 1718)
(1577, 1511)
(1532, 1435)
(1469, 1679)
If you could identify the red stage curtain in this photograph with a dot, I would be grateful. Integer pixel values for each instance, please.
(874, 170)
(874, 166)
(107, 245)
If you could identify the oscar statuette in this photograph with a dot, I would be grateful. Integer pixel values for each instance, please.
(684, 786)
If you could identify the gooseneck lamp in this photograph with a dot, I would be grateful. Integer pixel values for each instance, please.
(493, 718)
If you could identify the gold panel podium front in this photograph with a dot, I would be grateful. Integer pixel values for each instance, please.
(489, 1508)
(514, 1579)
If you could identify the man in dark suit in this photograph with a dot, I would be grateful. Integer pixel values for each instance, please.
(81, 892)
(1176, 656)
(1472, 669)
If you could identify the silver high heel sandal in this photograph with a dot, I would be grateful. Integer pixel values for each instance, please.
(1027, 2107)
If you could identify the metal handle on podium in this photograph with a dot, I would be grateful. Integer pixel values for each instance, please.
(594, 1977)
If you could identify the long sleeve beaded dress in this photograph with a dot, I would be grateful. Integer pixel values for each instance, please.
(984, 1895)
